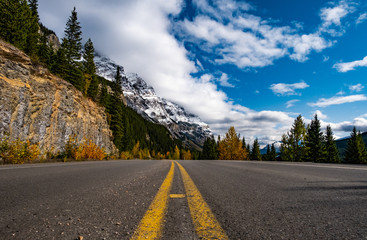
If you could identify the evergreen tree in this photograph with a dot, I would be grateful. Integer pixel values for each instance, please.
(18, 26)
(356, 150)
(72, 47)
(292, 148)
(33, 35)
(314, 142)
(332, 153)
(230, 148)
(255, 152)
(72, 42)
(266, 157)
(33, 5)
(210, 151)
(116, 111)
(60, 65)
(273, 153)
(89, 68)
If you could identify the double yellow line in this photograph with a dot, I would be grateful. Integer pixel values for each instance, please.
(205, 223)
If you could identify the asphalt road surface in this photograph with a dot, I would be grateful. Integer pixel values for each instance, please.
(189, 200)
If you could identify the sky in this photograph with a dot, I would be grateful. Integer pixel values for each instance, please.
(255, 65)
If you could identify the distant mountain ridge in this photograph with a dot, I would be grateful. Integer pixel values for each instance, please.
(342, 144)
(142, 98)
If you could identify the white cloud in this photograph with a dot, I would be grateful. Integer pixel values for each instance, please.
(349, 66)
(224, 81)
(291, 103)
(320, 115)
(347, 126)
(325, 102)
(288, 89)
(361, 18)
(332, 16)
(246, 40)
(356, 88)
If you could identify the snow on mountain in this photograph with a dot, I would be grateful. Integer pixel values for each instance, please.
(142, 98)
(277, 146)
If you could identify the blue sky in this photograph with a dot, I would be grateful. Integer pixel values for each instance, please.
(254, 65)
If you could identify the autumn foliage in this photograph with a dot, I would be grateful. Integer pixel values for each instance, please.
(83, 151)
(230, 148)
(18, 151)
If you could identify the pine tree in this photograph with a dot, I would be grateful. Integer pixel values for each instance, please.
(60, 65)
(356, 150)
(210, 151)
(266, 157)
(230, 148)
(72, 42)
(116, 111)
(273, 153)
(72, 47)
(18, 26)
(314, 142)
(33, 5)
(89, 68)
(332, 153)
(33, 35)
(255, 152)
(292, 148)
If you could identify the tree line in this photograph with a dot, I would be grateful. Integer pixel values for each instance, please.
(301, 144)
(74, 62)
(231, 147)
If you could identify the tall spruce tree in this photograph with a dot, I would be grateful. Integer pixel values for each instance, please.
(356, 150)
(89, 69)
(332, 153)
(314, 142)
(72, 46)
(72, 41)
(255, 152)
(116, 111)
(33, 30)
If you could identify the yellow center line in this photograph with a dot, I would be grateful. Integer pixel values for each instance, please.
(177, 195)
(151, 226)
(206, 225)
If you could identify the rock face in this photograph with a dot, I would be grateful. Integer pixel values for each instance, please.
(142, 98)
(42, 108)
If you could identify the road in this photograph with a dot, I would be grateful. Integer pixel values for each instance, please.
(212, 199)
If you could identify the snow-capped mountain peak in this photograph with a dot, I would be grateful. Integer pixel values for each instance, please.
(143, 99)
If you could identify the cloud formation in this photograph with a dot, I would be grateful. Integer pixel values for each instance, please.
(291, 103)
(356, 88)
(320, 115)
(283, 89)
(349, 66)
(325, 102)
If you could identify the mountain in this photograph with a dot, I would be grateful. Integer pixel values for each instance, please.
(276, 145)
(142, 98)
(44, 109)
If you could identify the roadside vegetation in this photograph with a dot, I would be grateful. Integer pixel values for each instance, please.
(301, 144)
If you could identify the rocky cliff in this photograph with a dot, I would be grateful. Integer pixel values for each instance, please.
(37, 106)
